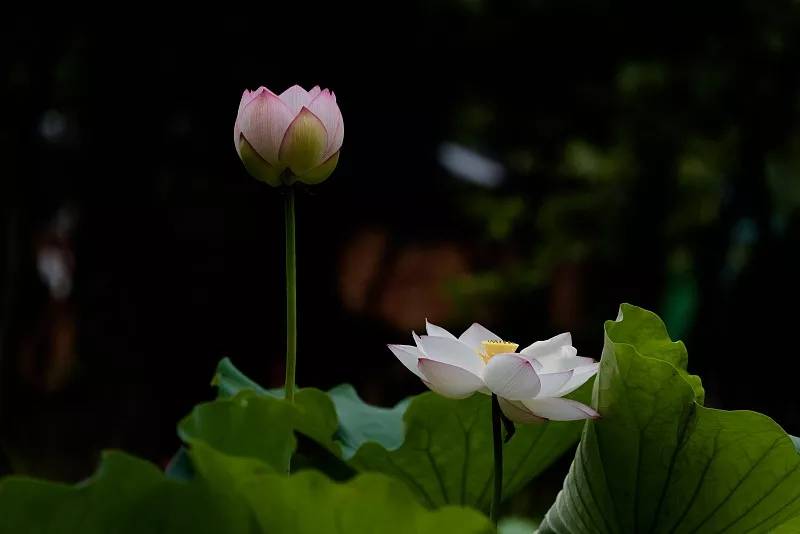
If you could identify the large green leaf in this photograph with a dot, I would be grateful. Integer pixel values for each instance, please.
(659, 461)
(790, 527)
(309, 503)
(262, 426)
(516, 525)
(126, 495)
(645, 331)
(447, 453)
(231, 495)
(180, 466)
(441, 448)
(229, 381)
(360, 422)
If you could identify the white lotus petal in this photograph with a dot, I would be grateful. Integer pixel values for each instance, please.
(568, 351)
(408, 356)
(553, 382)
(517, 412)
(553, 345)
(553, 364)
(579, 377)
(438, 331)
(475, 335)
(449, 380)
(558, 409)
(512, 376)
(452, 351)
(418, 342)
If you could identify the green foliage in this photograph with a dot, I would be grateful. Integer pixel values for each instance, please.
(234, 495)
(308, 502)
(126, 495)
(232, 479)
(646, 333)
(659, 461)
(441, 448)
(360, 422)
(229, 381)
(790, 527)
(446, 457)
(262, 426)
(516, 525)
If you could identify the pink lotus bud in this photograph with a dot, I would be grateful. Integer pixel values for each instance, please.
(294, 136)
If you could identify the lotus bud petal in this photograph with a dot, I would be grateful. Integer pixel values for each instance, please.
(294, 136)
(320, 173)
(304, 143)
(256, 165)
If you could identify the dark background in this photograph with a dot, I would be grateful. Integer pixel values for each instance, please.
(649, 155)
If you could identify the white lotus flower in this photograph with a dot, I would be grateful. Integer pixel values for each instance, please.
(529, 384)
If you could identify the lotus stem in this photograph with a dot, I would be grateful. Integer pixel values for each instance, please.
(291, 297)
(497, 442)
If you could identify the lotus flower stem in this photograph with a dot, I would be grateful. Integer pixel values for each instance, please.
(497, 441)
(291, 297)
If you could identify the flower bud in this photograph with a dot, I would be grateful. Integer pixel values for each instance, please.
(291, 137)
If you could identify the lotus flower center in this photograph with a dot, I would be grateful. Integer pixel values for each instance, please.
(493, 347)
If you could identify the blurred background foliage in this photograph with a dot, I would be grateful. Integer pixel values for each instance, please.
(529, 165)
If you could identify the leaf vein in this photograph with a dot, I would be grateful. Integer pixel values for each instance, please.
(738, 484)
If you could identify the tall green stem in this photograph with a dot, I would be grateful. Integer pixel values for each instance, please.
(291, 297)
(497, 442)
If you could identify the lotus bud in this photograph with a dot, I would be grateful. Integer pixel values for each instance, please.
(291, 137)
